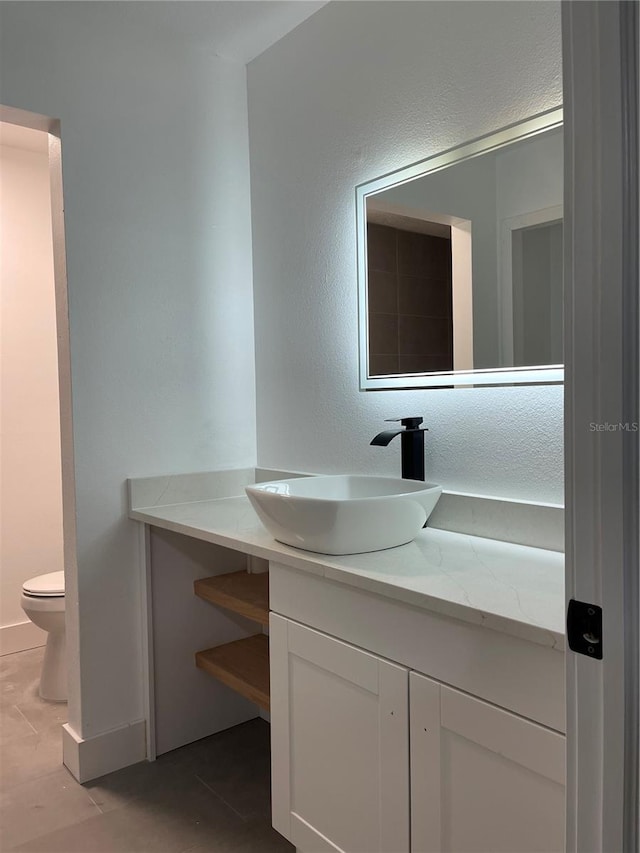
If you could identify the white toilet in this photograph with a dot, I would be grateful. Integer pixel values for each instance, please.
(43, 602)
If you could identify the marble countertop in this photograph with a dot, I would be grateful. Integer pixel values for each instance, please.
(515, 589)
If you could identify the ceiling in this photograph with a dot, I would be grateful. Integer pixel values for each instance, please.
(237, 30)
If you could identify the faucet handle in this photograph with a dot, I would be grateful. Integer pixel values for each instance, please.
(409, 423)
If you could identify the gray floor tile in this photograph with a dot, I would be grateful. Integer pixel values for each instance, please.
(235, 764)
(30, 728)
(13, 724)
(257, 837)
(145, 780)
(42, 806)
(208, 797)
(43, 715)
(20, 676)
(167, 821)
(264, 839)
(27, 758)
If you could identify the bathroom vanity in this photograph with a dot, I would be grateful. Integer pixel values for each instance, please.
(395, 728)
(416, 694)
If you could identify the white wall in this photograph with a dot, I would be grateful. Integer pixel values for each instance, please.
(529, 176)
(156, 183)
(359, 90)
(31, 486)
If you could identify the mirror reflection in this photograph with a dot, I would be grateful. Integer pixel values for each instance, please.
(463, 263)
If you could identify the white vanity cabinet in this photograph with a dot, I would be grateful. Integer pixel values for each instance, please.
(369, 754)
(482, 779)
(339, 744)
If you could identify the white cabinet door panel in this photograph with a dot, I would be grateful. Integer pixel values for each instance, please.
(533, 746)
(483, 780)
(340, 744)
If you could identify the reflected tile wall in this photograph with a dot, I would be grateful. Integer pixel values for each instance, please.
(410, 301)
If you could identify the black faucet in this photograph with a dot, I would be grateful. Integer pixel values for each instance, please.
(412, 446)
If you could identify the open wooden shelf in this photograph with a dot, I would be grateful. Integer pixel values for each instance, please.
(242, 665)
(244, 593)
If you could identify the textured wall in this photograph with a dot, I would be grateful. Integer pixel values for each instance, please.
(359, 90)
(30, 461)
(156, 184)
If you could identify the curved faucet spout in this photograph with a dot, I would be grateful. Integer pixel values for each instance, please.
(412, 446)
(383, 438)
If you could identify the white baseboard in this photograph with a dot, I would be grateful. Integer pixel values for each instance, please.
(20, 637)
(89, 758)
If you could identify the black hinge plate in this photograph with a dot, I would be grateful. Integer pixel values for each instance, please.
(584, 628)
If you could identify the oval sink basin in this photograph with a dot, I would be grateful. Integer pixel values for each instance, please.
(344, 514)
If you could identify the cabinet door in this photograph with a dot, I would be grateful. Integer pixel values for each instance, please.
(339, 744)
(483, 780)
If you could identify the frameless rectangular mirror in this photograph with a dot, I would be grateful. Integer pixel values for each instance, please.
(460, 264)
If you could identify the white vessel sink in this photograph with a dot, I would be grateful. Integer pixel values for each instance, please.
(344, 514)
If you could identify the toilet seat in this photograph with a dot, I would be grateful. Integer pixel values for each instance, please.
(45, 586)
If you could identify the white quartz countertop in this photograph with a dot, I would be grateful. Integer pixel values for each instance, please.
(514, 589)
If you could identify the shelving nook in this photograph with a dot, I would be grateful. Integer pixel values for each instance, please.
(242, 665)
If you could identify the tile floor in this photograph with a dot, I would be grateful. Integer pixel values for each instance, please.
(208, 797)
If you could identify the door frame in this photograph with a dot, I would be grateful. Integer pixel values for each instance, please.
(51, 126)
(505, 270)
(602, 391)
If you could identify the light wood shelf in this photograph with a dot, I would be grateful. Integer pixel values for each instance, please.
(244, 593)
(242, 665)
